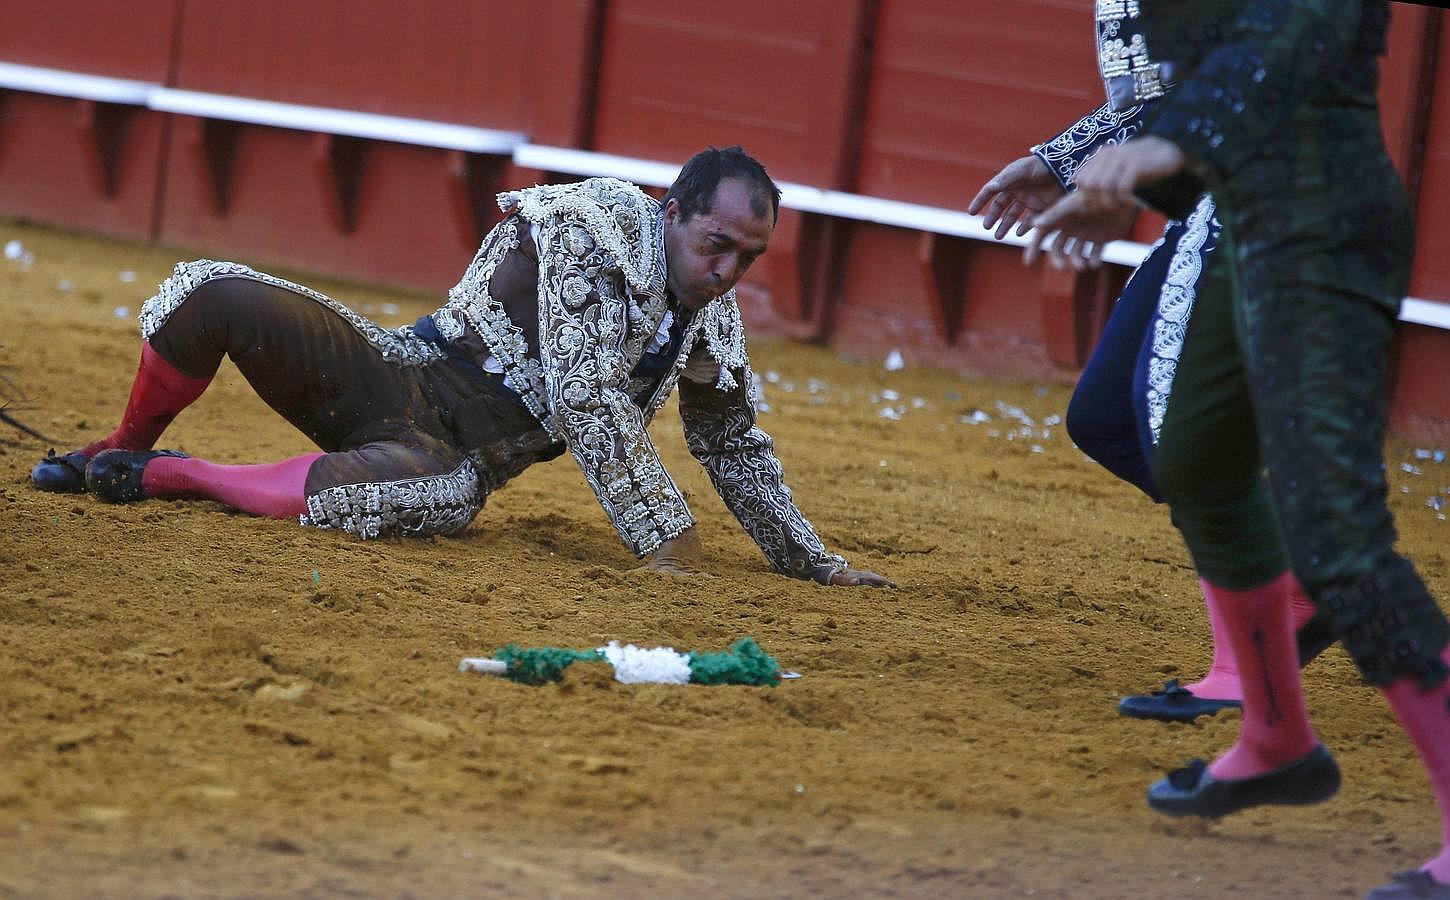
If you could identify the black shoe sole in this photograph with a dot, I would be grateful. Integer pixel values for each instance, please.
(1164, 709)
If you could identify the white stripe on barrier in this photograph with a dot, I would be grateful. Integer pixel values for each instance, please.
(1425, 312)
(868, 209)
(396, 129)
(73, 84)
(445, 135)
(802, 197)
(589, 163)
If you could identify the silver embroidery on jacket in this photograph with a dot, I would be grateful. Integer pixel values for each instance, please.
(398, 345)
(721, 433)
(1175, 307)
(1066, 153)
(602, 297)
(415, 507)
(471, 304)
(592, 332)
(1130, 76)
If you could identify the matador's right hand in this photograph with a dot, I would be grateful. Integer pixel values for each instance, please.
(1014, 196)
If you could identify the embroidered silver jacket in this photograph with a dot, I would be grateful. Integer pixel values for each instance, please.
(1131, 80)
(601, 298)
(1066, 153)
(1130, 76)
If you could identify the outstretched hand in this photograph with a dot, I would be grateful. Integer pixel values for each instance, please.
(1024, 188)
(1115, 172)
(1101, 208)
(1075, 231)
(860, 578)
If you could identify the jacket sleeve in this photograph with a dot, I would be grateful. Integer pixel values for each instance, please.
(721, 433)
(1267, 61)
(1066, 153)
(582, 328)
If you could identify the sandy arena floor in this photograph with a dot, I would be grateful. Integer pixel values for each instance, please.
(196, 703)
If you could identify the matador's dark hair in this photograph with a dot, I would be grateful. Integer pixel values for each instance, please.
(694, 187)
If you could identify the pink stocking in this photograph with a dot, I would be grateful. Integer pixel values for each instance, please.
(1222, 680)
(1276, 728)
(1301, 608)
(159, 392)
(1425, 716)
(277, 490)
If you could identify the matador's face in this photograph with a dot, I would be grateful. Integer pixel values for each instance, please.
(710, 251)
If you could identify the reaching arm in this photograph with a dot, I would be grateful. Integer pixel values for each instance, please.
(1028, 186)
(721, 433)
(1065, 154)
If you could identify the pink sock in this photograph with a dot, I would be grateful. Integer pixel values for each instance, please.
(1222, 680)
(159, 392)
(1301, 608)
(1425, 716)
(277, 490)
(1276, 728)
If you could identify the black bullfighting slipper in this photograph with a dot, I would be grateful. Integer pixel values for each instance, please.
(1413, 885)
(1193, 791)
(115, 475)
(1172, 704)
(61, 474)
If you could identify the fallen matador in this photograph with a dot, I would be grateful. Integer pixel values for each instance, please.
(578, 316)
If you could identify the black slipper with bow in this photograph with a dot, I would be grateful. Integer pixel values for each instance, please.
(115, 475)
(61, 474)
(1193, 791)
(1172, 704)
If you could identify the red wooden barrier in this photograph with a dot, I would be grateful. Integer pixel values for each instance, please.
(379, 211)
(79, 163)
(1432, 264)
(912, 100)
(775, 77)
(121, 40)
(1421, 405)
(564, 47)
(1407, 83)
(446, 60)
(100, 163)
(784, 80)
(1418, 129)
(951, 99)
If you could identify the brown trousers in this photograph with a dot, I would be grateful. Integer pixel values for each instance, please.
(401, 424)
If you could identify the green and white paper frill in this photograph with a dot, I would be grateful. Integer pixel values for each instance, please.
(744, 663)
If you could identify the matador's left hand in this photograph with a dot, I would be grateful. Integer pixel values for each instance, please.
(1085, 219)
(679, 556)
(1079, 227)
(862, 578)
(1116, 171)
